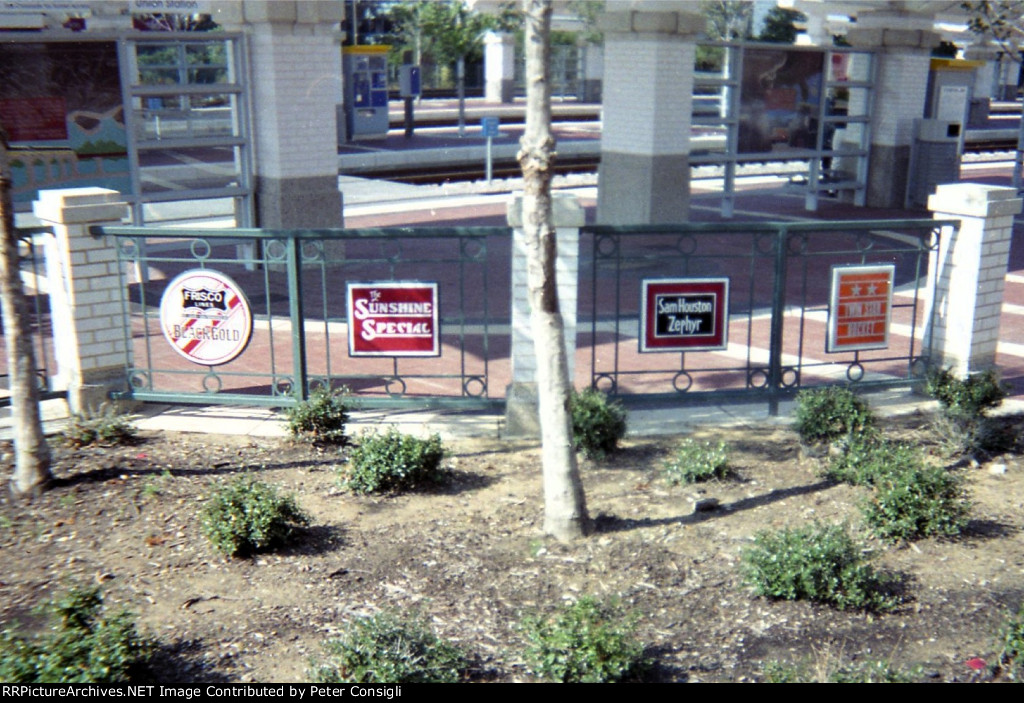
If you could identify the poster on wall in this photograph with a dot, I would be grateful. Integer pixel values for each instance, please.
(860, 307)
(393, 318)
(61, 105)
(684, 314)
(206, 317)
(780, 100)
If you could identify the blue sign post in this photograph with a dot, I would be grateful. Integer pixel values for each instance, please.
(489, 128)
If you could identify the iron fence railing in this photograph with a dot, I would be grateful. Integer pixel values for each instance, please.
(778, 305)
(33, 273)
(296, 283)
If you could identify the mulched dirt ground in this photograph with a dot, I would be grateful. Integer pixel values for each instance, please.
(469, 557)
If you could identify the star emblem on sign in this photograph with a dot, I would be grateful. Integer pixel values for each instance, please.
(375, 295)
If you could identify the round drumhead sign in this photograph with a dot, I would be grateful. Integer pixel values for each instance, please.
(206, 317)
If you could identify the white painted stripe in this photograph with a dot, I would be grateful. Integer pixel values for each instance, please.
(1014, 278)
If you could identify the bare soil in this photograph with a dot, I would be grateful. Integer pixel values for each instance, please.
(471, 559)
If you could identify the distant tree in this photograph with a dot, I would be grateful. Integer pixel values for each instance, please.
(31, 453)
(780, 26)
(728, 20)
(1001, 21)
(588, 11)
(450, 31)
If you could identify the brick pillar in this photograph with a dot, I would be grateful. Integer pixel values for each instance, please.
(499, 67)
(86, 294)
(904, 58)
(296, 86)
(648, 95)
(971, 266)
(521, 395)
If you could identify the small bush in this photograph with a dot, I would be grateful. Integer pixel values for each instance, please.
(321, 419)
(247, 516)
(84, 645)
(817, 563)
(1012, 642)
(597, 423)
(394, 462)
(866, 458)
(696, 461)
(824, 415)
(869, 671)
(875, 671)
(922, 502)
(585, 642)
(965, 403)
(387, 649)
(104, 428)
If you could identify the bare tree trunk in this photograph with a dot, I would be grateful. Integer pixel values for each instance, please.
(565, 509)
(31, 453)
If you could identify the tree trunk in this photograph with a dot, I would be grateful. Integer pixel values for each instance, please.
(565, 509)
(31, 453)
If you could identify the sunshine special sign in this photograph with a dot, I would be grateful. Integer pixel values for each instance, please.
(206, 317)
(393, 319)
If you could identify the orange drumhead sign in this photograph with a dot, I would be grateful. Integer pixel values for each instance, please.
(206, 317)
(860, 307)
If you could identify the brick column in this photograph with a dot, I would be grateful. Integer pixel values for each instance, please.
(648, 95)
(521, 395)
(86, 294)
(499, 67)
(296, 85)
(904, 57)
(971, 267)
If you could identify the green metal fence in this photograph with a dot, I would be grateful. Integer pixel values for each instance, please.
(296, 284)
(777, 318)
(33, 274)
(778, 307)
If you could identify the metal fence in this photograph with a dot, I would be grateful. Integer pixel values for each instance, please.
(778, 305)
(33, 275)
(296, 282)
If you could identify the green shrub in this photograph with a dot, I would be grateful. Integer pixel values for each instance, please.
(965, 403)
(818, 563)
(585, 642)
(385, 648)
(923, 502)
(104, 428)
(394, 462)
(1012, 642)
(697, 461)
(875, 671)
(869, 671)
(867, 457)
(780, 672)
(246, 516)
(824, 415)
(84, 645)
(597, 423)
(321, 419)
